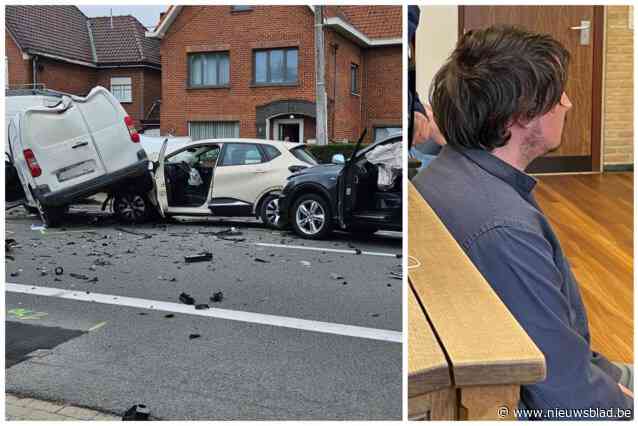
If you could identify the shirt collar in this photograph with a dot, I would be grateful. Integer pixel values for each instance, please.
(520, 181)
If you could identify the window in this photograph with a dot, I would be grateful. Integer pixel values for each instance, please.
(205, 156)
(208, 69)
(275, 66)
(384, 132)
(198, 130)
(354, 79)
(271, 152)
(241, 154)
(122, 89)
(241, 8)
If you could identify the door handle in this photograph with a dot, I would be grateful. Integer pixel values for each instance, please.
(585, 30)
(79, 144)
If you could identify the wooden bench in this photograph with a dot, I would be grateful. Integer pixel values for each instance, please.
(456, 321)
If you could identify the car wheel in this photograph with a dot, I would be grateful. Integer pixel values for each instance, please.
(131, 207)
(311, 217)
(269, 211)
(51, 216)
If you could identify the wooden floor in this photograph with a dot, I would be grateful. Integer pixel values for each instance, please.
(593, 218)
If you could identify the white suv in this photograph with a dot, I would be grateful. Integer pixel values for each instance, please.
(219, 177)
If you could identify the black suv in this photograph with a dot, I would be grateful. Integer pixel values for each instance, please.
(345, 195)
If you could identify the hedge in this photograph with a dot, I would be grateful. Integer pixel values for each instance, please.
(324, 153)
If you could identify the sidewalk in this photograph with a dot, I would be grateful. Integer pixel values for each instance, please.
(34, 409)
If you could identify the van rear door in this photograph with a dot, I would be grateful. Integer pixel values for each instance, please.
(62, 145)
(105, 118)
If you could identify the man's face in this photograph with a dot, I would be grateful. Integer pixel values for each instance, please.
(551, 124)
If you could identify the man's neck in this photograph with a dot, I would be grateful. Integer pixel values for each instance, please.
(512, 155)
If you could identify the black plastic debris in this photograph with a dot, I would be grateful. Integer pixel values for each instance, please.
(202, 257)
(137, 412)
(399, 255)
(357, 251)
(374, 315)
(142, 313)
(186, 299)
(344, 283)
(9, 243)
(260, 260)
(169, 316)
(78, 276)
(336, 276)
(194, 336)
(15, 274)
(93, 280)
(217, 297)
(201, 306)
(58, 270)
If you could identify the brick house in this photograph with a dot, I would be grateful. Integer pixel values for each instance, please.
(249, 71)
(59, 48)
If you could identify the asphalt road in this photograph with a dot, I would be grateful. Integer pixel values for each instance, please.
(287, 353)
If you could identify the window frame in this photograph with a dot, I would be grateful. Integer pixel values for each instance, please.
(189, 61)
(355, 87)
(268, 81)
(130, 85)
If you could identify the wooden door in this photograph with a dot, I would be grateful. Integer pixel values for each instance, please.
(580, 150)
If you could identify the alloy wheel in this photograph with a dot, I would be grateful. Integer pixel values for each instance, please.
(310, 217)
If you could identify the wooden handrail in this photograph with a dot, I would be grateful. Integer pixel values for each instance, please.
(428, 369)
(488, 351)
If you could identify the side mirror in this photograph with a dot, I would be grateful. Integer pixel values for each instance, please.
(338, 159)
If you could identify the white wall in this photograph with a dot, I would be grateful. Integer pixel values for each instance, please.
(435, 39)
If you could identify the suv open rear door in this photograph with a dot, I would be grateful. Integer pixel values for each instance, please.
(160, 182)
(344, 186)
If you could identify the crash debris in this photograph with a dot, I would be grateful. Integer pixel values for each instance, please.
(186, 299)
(136, 413)
(201, 257)
(217, 297)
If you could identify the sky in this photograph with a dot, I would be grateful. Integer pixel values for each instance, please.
(147, 15)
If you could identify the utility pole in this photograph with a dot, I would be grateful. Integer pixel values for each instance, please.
(320, 85)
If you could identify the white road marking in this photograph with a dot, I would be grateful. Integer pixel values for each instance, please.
(250, 317)
(369, 253)
(98, 325)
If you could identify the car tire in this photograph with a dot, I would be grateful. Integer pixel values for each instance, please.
(132, 207)
(269, 211)
(51, 216)
(310, 217)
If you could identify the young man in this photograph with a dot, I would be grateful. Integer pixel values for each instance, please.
(500, 102)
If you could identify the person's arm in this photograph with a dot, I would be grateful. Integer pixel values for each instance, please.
(519, 265)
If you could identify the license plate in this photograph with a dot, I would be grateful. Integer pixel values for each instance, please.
(76, 170)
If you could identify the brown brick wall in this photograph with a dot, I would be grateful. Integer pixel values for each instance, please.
(65, 77)
(19, 69)
(146, 87)
(215, 27)
(344, 108)
(618, 133)
(382, 95)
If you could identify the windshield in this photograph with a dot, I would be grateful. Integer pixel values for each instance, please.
(304, 155)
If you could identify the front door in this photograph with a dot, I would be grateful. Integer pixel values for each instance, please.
(289, 130)
(580, 30)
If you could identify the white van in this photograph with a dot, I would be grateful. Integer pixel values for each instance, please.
(71, 150)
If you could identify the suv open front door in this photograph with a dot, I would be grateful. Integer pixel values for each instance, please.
(160, 182)
(345, 201)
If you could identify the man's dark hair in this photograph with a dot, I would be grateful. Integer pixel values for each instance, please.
(494, 77)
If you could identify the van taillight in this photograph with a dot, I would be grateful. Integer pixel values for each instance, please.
(34, 167)
(135, 137)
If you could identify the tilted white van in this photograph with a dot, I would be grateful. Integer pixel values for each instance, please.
(71, 150)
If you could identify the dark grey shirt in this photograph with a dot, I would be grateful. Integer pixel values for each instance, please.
(488, 207)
